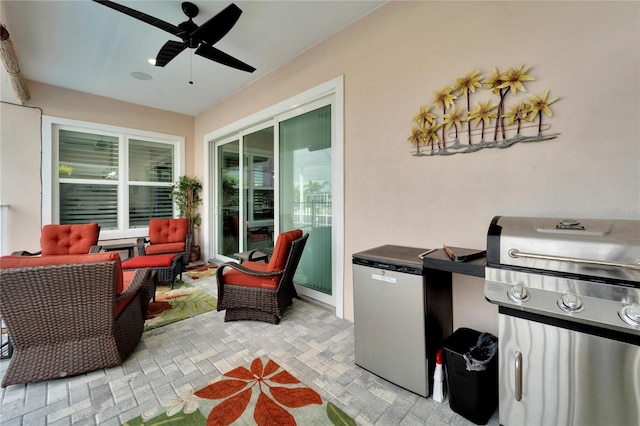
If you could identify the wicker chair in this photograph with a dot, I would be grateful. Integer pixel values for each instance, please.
(70, 314)
(67, 239)
(261, 291)
(167, 236)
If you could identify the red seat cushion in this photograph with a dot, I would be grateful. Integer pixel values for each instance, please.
(155, 261)
(235, 277)
(68, 239)
(277, 263)
(165, 248)
(168, 231)
(282, 248)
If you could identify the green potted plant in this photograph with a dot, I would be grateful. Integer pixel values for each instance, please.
(187, 196)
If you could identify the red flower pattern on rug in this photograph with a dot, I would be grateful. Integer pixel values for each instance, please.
(273, 400)
(201, 271)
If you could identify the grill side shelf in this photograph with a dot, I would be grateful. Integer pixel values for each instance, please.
(439, 260)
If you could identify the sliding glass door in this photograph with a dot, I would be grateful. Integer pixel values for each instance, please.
(306, 192)
(281, 175)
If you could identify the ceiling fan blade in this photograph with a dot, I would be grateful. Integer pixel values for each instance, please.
(217, 27)
(158, 23)
(217, 55)
(170, 50)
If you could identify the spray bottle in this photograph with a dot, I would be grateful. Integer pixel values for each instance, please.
(438, 379)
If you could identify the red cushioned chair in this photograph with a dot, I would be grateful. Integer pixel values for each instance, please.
(67, 239)
(261, 291)
(167, 236)
(70, 314)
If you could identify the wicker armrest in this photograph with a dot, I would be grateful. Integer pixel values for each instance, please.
(26, 253)
(141, 244)
(95, 249)
(140, 280)
(247, 271)
(259, 255)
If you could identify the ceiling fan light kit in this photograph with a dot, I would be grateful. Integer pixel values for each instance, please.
(201, 38)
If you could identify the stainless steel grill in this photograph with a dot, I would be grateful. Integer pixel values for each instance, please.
(569, 319)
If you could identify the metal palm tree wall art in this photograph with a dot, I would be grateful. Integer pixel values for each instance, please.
(432, 133)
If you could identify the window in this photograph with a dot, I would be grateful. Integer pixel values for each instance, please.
(88, 178)
(151, 174)
(117, 177)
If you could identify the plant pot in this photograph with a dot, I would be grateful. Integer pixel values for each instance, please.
(194, 255)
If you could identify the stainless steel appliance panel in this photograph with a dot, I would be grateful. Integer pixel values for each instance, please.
(590, 247)
(390, 326)
(556, 376)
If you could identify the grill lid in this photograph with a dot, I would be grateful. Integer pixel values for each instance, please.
(591, 248)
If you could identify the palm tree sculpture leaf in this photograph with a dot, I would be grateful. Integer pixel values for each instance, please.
(538, 105)
(465, 86)
(445, 99)
(518, 113)
(430, 134)
(454, 117)
(483, 113)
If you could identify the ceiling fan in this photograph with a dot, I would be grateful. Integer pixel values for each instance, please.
(202, 38)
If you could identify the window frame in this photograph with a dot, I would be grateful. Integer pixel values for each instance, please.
(50, 178)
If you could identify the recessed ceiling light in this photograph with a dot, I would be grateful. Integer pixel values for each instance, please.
(141, 76)
(152, 61)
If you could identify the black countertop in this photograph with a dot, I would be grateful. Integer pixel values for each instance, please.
(440, 261)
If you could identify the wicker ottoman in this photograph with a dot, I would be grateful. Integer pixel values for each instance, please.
(167, 266)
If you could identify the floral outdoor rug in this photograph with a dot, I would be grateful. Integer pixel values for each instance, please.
(181, 302)
(201, 271)
(259, 394)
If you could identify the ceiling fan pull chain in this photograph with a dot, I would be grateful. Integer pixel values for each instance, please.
(191, 68)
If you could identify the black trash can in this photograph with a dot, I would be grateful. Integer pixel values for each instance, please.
(472, 394)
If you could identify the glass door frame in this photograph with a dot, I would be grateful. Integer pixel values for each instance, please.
(333, 89)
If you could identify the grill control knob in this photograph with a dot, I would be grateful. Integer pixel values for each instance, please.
(518, 293)
(570, 303)
(631, 315)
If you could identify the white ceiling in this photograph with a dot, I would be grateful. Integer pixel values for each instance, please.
(85, 46)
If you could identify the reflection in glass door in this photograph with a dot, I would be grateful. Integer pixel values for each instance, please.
(228, 205)
(305, 192)
(245, 204)
(258, 189)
